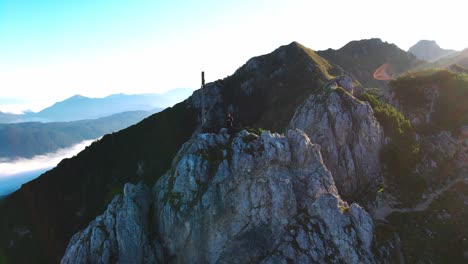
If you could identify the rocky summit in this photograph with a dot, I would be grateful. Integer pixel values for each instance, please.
(240, 198)
(350, 136)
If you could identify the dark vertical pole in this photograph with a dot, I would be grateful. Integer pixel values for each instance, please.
(203, 79)
(203, 117)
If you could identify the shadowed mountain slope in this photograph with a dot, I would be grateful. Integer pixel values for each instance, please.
(362, 58)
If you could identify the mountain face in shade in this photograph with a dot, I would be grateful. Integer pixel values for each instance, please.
(362, 58)
(266, 90)
(429, 50)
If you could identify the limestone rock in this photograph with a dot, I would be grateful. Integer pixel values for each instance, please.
(245, 199)
(349, 135)
(121, 234)
(342, 81)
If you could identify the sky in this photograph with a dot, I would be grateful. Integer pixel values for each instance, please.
(53, 49)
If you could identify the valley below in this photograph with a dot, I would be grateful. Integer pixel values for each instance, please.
(15, 172)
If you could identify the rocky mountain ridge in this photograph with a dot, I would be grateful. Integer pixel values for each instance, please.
(350, 136)
(233, 199)
(360, 59)
(253, 198)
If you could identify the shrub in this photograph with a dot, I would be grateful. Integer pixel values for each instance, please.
(451, 107)
(402, 153)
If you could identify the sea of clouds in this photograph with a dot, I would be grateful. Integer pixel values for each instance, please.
(15, 172)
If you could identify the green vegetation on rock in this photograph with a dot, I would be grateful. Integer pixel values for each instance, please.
(402, 153)
(451, 107)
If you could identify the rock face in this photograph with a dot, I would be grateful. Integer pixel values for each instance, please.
(342, 81)
(350, 136)
(245, 199)
(208, 101)
(121, 234)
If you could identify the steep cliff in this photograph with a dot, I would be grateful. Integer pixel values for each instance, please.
(234, 199)
(350, 137)
(122, 233)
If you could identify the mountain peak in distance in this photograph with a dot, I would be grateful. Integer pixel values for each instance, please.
(428, 50)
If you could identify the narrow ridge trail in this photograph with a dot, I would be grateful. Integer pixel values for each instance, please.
(381, 213)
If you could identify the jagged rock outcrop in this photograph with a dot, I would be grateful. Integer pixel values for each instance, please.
(243, 199)
(350, 137)
(208, 101)
(247, 199)
(343, 81)
(121, 234)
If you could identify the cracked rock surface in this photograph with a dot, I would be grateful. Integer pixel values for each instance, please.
(232, 199)
(349, 135)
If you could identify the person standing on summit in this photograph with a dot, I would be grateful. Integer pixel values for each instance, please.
(230, 123)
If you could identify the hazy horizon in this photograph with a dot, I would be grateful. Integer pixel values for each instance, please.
(21, 106)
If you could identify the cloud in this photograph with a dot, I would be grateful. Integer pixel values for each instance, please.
(14, 173)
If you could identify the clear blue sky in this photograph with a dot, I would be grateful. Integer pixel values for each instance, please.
(50, 50)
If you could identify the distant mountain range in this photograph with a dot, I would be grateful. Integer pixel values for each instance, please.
(437, 57)
(34, 138)
(80, 107)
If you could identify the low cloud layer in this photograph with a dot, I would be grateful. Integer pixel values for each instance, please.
(15, 172)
